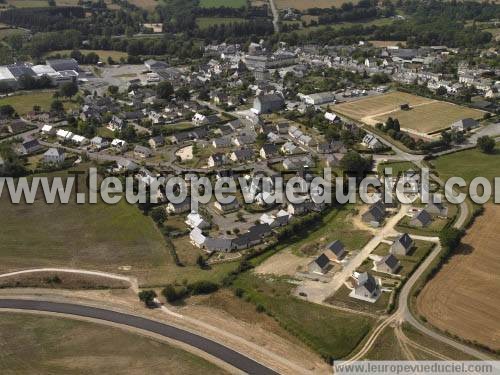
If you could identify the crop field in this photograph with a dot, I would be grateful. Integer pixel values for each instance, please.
(424, 117)
(49, 345)
(222, 3)
(308, 4)
(463, 297)
(206, 22)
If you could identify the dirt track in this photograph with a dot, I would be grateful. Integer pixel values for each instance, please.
(463, 297)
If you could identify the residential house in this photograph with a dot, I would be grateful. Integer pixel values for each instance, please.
(227, 207)
(221, 142)
(48, 130)
(195, 220)
(319, 98)
(243, 140)
(216, 160)
(99, 143)
(464, 124)
(197, 237)
(268, 151)
(372, 142)
(321, 265)
(367, 288)
(126, 165)
(179, 208)
(268, 103)
(115, 124)
(438, 209)
(156, 142)
(297, 163)
(142, 152)
(375, 214)
(288, 148)
(218, 244)
(387, 264)
(421, 219)
(335, 251)
(296, 208)
(119, 144)
(242, 155)
(54, 156)
(402, 245)
(30, 147)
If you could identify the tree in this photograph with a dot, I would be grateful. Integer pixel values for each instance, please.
(68, 89)
(56, 106)
(441, 91)
(159, 215)
(7, 110)
(354, 162)
(486, 144)
(164, 90)
(148, 296)
(183, 93)
(113, 90)
(201, 262)
(172, 294)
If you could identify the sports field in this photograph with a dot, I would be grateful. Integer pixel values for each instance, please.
(222, 3)
(425, 116)
(307, 4)
(463, 297)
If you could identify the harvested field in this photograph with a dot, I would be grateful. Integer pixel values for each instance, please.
(387, 43)
(304, 4)
(463, 297)
(282, 263)
(425, 116)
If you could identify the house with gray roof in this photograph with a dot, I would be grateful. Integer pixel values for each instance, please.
(367, 288)
(422, 219)
(464, 124)
(402, 245)
(320, 265)
(335, 251)
(375, 215)
(438, 209)
(268, 103)
(387, 264)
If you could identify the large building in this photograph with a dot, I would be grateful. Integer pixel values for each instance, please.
(268, 103)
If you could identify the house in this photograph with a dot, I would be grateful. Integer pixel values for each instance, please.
(142, 152)
(126, 165)
(332, 117)
(422, 219)
(17, 126)
(319, 98)
(116, 124)
(195, 220)
(53, 156)
(227, 207)
(332, 160)
(372, 142)
(388, 264)
(268, 103)
(367, 288)
(402, 245)
(320, 265)
(218, 244)
(244, 139)
(48, 130)
(288, 148)
(197, 238)
(154, 65)
(298, 163)
(375, 214)
(31, 146)
(254, 236)
(216, 160)
(178, 208)
(464, 124)
(99, 142)
(221, 142)
(119, 144)
(79, 139)
(436, 209)
(242, 155)
(268, 150)
(156, 142)
(335, 251)
(296, 208)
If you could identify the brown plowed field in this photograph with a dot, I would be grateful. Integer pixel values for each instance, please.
(464, 297)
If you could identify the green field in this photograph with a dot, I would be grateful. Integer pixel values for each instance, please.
(28, 3)
(48, 345)
(7, 31)
(206, 22)
(24, 102)
(222, 3)
(468, 164)
(329, 332)
(103, 55)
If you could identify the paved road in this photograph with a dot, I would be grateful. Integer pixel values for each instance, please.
(276, 16)
(217, 350)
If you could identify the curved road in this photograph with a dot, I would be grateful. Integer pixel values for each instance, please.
(211, 347)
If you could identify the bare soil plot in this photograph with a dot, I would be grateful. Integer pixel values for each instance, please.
(282, 263)
(387, 43)
(307, 4)
(463, 297)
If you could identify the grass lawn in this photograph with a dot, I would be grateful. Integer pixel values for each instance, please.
(24, 101)
(397, 167)
(206, 22)
(329, 332)
(341, 298)
(306, 4)
(103, 55)
(468, 164)
(105, 132)
(386, 348)
(433, 228)
(40, 344)
(28, 3)
(222, 3)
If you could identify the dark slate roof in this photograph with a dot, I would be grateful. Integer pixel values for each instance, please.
(370, 283)
(424, 217)
(217, 243)
(405, 240)
(337, 247)
(391, 261)
(260, 229)
(270, 148)
(245, 153)
(322, 261)
(218, 157)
